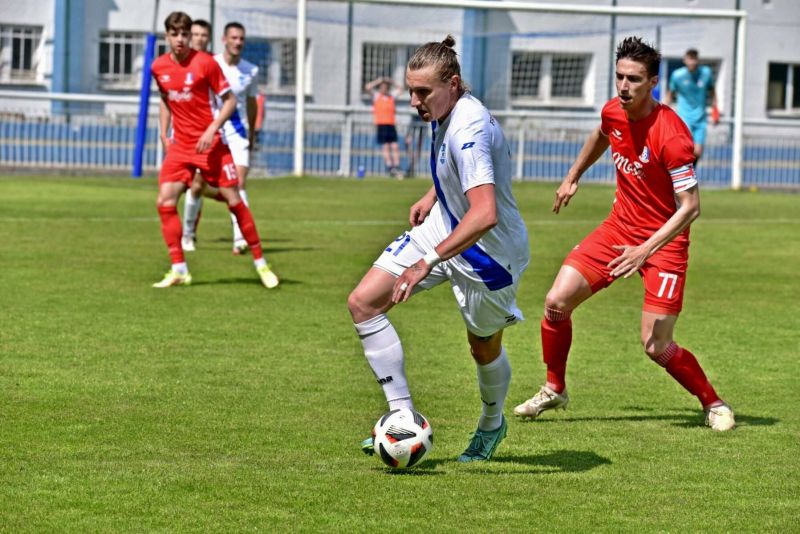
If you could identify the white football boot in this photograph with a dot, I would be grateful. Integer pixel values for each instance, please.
(545, 399)
(720, 418)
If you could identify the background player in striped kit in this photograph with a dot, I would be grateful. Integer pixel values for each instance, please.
(238, 133)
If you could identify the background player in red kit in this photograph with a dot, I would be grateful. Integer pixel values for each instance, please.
(186, 79)
(646, 232)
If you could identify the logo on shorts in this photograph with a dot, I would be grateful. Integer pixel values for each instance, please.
(511, 318)
(645, 157)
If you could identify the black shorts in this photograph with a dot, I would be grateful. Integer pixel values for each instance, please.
(387, 133)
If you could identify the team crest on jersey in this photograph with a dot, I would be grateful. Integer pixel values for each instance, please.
(645, 157)
(189, 79)
(442, 153)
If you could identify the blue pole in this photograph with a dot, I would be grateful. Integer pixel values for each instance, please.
(144, 101)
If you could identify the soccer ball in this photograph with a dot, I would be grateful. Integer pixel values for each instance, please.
(402, 438)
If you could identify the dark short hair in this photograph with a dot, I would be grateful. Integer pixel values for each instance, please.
(178, 20)
(203, 24)
(233, 25)
(635, 49)
(692, 53)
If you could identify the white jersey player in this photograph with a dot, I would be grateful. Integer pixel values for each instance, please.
(465, 230)
(238, 132)
(243, 79)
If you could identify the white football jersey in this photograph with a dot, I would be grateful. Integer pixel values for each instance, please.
(243, 79)
(469, 149)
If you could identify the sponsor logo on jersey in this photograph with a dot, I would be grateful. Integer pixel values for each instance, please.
(645, 157)
(626, 166)
(179, 96)
(468, 145)
(189, 79)
(616, 133)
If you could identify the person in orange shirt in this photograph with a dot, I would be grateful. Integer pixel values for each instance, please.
(383, 109)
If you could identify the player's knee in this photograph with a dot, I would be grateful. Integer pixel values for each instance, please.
(555, 300)
(359, 306)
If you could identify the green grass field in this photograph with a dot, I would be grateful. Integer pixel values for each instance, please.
(227, 407)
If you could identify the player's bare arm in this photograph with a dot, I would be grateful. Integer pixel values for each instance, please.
(421, 208)
(228, 107)
(164, 117)
(252, 113)
(479, 219)
(594, 147)
(632, 258)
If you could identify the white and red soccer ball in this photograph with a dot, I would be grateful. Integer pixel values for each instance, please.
(402, 438)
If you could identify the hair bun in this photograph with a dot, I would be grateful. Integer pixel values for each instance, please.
(449, 41)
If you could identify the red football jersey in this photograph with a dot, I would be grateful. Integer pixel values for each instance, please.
(654, 157)
(189, 87)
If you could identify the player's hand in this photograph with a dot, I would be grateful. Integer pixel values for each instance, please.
(420, 210)
(412, 276)
(205, 141)
(166, 142)
(629, 261)
(564, 193)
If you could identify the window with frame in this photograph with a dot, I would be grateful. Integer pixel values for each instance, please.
(783, 88)
(19, 51)
(121, 58)
(276, 60)
(544, 78)
(383, 60)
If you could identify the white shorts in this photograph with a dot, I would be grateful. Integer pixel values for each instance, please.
(240, 150)
(484, 312)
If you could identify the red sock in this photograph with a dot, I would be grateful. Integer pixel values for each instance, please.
(248, 228)
(684, 368)
(556, 341)
(171, 230)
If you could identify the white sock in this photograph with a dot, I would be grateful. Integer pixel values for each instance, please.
(260, 262)
(191, 208)
(180, 268)
(237, 232)
(493, 381)
(385, 356)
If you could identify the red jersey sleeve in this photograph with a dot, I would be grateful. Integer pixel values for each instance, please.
(677, 154)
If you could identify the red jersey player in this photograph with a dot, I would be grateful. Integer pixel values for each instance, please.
(187, 79)
(647, 232)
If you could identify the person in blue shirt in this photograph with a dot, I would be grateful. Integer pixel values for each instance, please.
(691, 85)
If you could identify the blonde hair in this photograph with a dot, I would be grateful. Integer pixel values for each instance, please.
(442, 56)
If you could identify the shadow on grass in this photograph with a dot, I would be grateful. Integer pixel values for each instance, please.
(245, 281)
(554, 462)
(684, 418)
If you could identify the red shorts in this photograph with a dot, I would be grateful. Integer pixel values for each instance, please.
(215, 165)
(664, 273)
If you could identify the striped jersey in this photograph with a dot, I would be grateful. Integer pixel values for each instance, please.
(654, 159)
(469, 149)
(189, 88)
(243, 79)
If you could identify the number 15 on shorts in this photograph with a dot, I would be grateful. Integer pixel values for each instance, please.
(668, 282)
